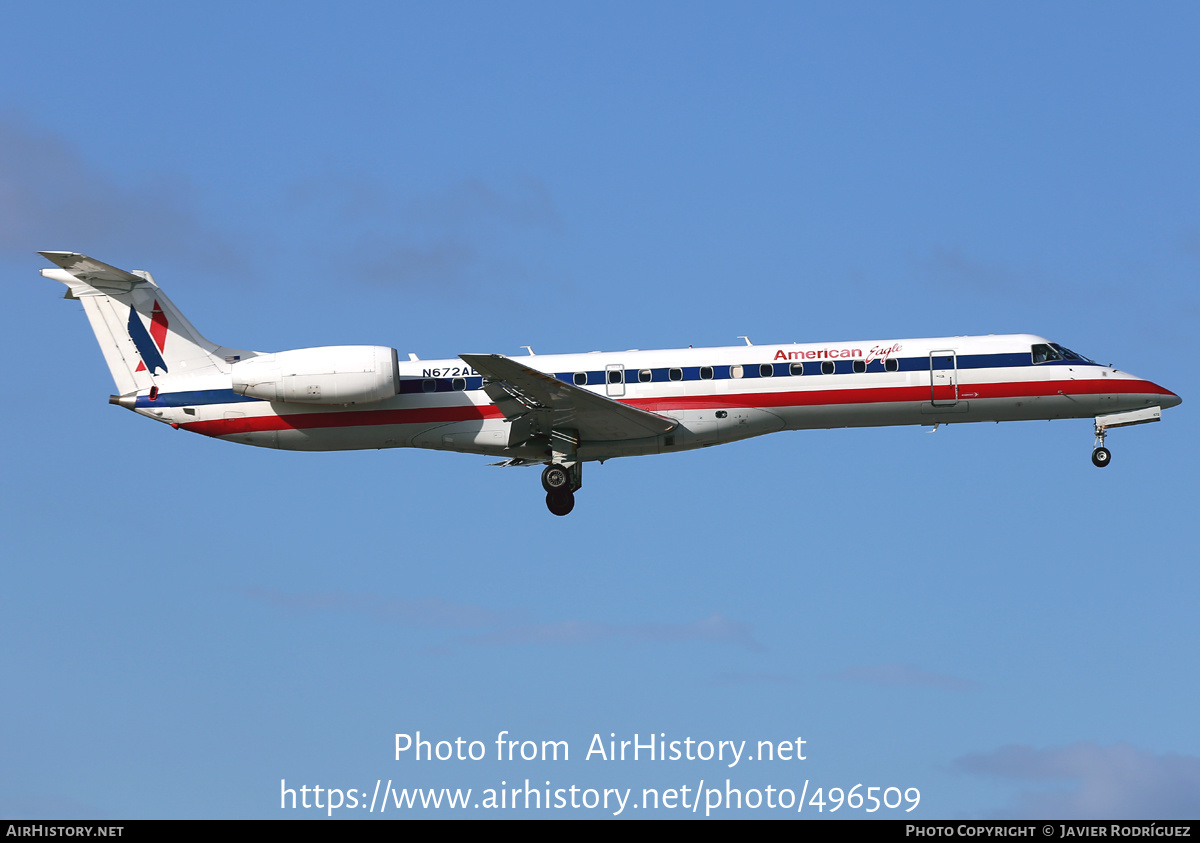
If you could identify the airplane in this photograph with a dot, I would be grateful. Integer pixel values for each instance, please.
(560, 411)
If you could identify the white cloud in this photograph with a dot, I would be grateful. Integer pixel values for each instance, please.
(51, 197)
(462, 236)
(951, 268)
(427, 612)
(715, 629)
(754, 678)
(434, 612)
(49, 808)
(902, 674)
(1089, 781)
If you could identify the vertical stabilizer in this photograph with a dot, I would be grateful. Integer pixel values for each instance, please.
(146, 341)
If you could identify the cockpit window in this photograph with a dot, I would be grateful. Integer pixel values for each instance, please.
(1043, 353)
(1068, 354)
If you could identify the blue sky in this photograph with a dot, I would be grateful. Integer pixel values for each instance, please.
(978, 613)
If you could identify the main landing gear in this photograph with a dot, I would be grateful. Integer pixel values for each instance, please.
(560, 482)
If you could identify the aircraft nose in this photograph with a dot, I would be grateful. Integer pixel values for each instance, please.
(1161, 396)
(1170, 399)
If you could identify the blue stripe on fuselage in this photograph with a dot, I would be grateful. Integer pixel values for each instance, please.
(843, 366)
(195, 398)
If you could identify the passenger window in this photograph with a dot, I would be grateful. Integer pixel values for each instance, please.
(676, 374)
(645, 376)
(796, 369)
(860, 366)
(580, 378)
(616, 376)
(828, 367)
(706, 373)
(459, 384)
(735, 371)
(766, 370)
(429, 385)
(891, 364)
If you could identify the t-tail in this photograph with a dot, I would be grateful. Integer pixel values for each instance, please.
(148, 344)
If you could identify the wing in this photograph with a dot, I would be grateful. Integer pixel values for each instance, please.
(546, 403)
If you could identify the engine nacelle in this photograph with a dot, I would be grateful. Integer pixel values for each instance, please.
(334, 374)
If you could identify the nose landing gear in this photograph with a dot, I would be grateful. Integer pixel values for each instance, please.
(560, 482)
(1101, 456)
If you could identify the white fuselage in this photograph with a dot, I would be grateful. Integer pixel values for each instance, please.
(716, 394)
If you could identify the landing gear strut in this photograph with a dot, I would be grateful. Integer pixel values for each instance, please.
(1101, 455)
(560, 482)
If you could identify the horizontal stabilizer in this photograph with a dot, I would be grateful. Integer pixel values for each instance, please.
(142, 334)
(104, 278)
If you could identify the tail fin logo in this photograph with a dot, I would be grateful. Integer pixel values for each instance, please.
(149, 344)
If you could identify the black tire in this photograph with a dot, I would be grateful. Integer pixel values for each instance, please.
(560, 501)
(1101, 457)
(556, 477)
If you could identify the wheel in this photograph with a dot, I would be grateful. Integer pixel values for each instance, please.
(1101, 457)
(560, 501)
(556, 477)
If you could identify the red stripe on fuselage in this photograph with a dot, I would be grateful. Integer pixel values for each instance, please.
(823, 397)
(893, 394)
(343, 418)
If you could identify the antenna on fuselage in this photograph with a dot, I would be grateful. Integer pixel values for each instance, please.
(530, 350)
(747, 339)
